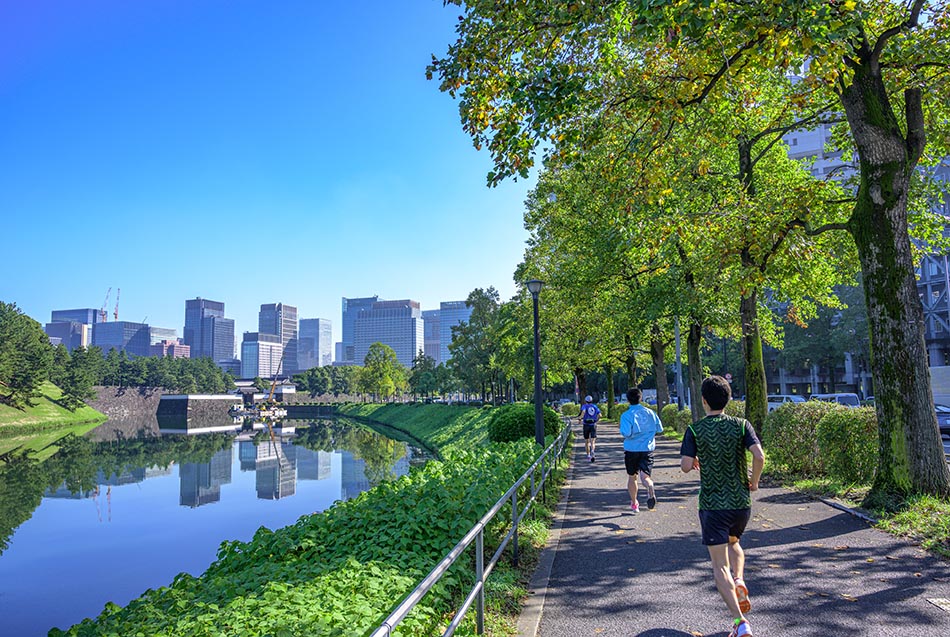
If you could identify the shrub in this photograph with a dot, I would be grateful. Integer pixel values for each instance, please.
(668, 416)
(684, 418)
(571, 410)
(848, 442)
(790, 436)
(736, 408)
(516, 421)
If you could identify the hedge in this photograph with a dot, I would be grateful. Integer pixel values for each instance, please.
(790, 437)
(516, 421)
(848, 442)
(571, 410)
(668, 416)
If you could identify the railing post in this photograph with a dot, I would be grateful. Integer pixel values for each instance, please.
(480, 580)
(544, 481)
(514, 527)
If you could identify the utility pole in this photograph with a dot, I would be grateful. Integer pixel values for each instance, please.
(679, 364)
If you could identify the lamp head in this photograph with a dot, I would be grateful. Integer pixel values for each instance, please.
(534, 286)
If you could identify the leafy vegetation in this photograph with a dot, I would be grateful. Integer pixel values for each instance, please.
(516, 421)
(340, 572)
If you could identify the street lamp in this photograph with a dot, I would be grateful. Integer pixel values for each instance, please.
(534, 286)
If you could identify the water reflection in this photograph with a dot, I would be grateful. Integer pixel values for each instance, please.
(130, 505)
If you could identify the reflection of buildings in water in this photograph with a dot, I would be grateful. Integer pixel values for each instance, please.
(313, 465)
(130, 476)
(275, 465)
(353, 476)
(201, 482)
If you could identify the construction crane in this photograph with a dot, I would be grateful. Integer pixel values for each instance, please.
(116, 313)
(103, 315)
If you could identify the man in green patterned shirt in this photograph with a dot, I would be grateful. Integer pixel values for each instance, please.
(718, 443)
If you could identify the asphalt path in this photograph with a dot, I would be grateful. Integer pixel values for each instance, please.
(811, 569)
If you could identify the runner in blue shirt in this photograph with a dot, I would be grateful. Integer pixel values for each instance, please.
(639, 426)
(590, 414)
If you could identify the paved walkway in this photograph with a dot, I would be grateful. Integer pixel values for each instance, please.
(811, 569)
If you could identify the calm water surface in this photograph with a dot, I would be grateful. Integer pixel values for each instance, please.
(126, 508)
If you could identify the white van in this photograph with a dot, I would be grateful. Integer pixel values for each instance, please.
(777, 400)
(848, 400)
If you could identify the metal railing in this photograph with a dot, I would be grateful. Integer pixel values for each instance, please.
(542, 466)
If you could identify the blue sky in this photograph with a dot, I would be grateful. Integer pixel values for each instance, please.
(245, 152)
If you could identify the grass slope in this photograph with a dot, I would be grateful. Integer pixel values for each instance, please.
(36, 428)
(437, 426)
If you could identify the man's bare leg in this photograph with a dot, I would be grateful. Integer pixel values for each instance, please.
(736, 557)
(719, 555)
(632, 488)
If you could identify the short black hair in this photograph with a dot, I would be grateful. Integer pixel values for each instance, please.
(716, 392)
(634, 395)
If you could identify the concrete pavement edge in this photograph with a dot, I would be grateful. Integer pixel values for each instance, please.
(530, 618)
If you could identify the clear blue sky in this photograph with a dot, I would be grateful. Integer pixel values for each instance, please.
(245, 152)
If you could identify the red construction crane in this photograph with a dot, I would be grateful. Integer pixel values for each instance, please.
(116, 313)
(103, 315)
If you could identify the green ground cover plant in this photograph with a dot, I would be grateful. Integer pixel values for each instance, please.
(516, 421)
(48, 413)
(341, 572)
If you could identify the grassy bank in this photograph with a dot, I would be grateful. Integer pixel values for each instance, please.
(35, 429)
(341, 572)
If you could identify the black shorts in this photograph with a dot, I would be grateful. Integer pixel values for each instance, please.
(718, 525)
(638, 461)
(590, 430)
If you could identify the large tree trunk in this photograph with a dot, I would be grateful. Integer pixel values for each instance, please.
(581, 379)
(658, 354)
(911, 454)
(693, 359)
(611, 396)
(756, 399)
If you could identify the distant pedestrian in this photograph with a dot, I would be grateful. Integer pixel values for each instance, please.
(639, 426)
(590, 414)
(716, 446)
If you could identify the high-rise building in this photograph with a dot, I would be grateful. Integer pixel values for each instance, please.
(313, 345)
(280, 320)
(451, 313)
(207, 331)
(338, 352)
(260, 355)
(351, 310)
(431, 335)
(158, 334)
(85, 315)
(132, 338)
(397, 324)
(200, 483)
(72, 334)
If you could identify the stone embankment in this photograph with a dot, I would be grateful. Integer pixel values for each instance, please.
(126, 402)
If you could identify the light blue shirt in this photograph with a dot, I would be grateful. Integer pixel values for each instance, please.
(639, 426)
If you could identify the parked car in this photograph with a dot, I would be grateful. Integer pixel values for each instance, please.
(777, 400)
(943, 420)
(848, 400)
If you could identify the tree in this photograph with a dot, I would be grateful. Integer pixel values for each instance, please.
(557, 72)
(78, 378)
(422, 378)
(473, 348)
(25, 357)
(382, 374)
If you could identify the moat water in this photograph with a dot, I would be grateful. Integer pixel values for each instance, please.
(126, 507)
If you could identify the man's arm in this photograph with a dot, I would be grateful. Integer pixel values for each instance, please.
(688, 463)
(758, 462)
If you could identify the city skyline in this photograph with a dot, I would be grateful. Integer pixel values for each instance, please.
(149, 145)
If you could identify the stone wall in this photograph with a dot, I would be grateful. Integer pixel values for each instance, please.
(126, 402)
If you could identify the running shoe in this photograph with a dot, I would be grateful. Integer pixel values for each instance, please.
(591, 457)
(742, 594)
(635, 506)
(742, 629)
(651, 504)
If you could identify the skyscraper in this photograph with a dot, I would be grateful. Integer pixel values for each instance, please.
(280, 320)
(431, 335)
(122, 336)
(85, 315)
(260, 355)
(397, 324)
(451, 314)
(207, 332)
(351, 310)
(314, 343)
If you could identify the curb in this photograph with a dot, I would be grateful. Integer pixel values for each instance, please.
(530, 618)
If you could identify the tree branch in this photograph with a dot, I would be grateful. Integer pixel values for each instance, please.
(916, 135)
(811, 232)
(911, 22)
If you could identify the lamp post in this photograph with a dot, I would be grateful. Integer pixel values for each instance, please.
(534, 286)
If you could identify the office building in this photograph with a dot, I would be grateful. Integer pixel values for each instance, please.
(172, 349)
(260, 355)
(72, 334)
(397, 324)
(200, 483)
(158, 334)
(351, 310)
(451, 314)
(207, 331)
(430, 335)
(314, 344)
(86, 315)
(280, 320)
(338, 352)
(132, 338)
